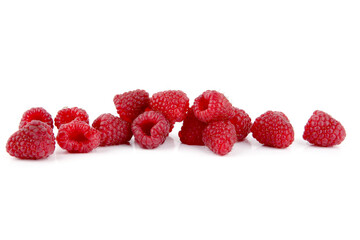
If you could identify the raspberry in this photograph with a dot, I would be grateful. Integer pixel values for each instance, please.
(113, 130)
(150, 129)
(273, 129)
(191, 130)
(242, 123)
(131, 104)
(78, 137)
(219, 137)
(67, 115)
(172, 104)
(323, 130)
(35, 140)
(213, 106)
(37, 113)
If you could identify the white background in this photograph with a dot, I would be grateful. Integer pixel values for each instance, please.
(290, 56)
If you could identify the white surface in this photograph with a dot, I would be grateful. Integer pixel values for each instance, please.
(291, 56)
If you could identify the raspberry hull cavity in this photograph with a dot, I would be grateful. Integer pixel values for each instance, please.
(78, 137)
(150, 129)
(213, 106)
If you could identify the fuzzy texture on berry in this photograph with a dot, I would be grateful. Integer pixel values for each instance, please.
(113, 130)
(323, 130)
(273, 129)
(150, 129)
(35, 140)
(131, 104)
(191, 130)
(213, 106)
(67, 115)
(37, 113)
(173, 104)
(242, 123)
(219, 137)
(78, 137)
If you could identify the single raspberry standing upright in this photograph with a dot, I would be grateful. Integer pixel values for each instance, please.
(323, 130)
(67, 115)
(113, 130)
(150, 129)
(219, 137)
(191, 130)
(213, 106)
(131, 104)
(242, 123)
(273, 129)
(37, 113)
(78, 137)
(173, 104)
(35, 140)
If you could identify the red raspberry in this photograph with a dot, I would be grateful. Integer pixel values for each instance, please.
(35, 140)
(191, 130)
(113, 130)
(273, 129)
(219, 137)
(242, 123)
(78, 137)
(213, 106)
(172, 104)
(131, 104)
(150, 129)
(323, 130)
(37, 113)
(67, 115)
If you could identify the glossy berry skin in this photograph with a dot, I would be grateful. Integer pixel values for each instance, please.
(191, 130)
(131, 104)
(273, 129)
(323, 130)
(34, 141)
(173, 104)
(67, 115)
(242, 123)
(213, 106)
(37, 113)
(78, 137)
(113, 130)
(150, 129)
(219, 137)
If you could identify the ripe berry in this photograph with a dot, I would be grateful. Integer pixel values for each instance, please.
(191, 130)
(67, 115)
(78, 137)
(37, 113)
(35, 140)
(150, 129)
(131, 104)
(323, 130)
(172, 104)
(113, 130)
(213, 106)
(242, 123)
(273, 129)
(219, 137)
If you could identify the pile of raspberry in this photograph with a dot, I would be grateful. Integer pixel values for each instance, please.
(211, 121)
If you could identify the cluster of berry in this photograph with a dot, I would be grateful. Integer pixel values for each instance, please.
(211, 121)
